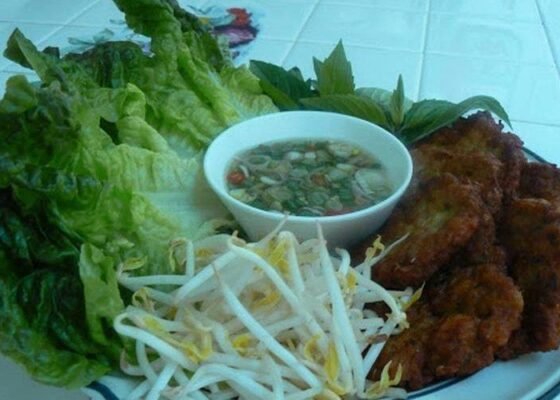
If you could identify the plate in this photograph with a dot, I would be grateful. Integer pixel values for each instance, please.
(534, 376)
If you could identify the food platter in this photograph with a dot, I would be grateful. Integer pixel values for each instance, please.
(532, 376)
(136, 233)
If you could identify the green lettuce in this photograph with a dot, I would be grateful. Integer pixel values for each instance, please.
(42, 310)
(100, 164)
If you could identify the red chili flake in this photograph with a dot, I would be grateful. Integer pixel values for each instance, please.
(236, 177)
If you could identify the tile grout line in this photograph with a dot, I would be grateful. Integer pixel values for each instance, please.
(443, 13)
(549, 125)
(357, 44)
(300, 31)
(548, 40)
(374, 6)
(423, 54)
(67, 22)
(79, 14)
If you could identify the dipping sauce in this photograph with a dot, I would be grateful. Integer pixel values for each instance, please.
(308, 178)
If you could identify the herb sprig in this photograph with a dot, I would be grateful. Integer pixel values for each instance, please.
(334, 90)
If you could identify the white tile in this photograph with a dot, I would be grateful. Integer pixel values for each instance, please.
(527, 92)
(366, 26)
(199, 3)
(518, 10)
(34, 32)
(541, 139)
(488, 37)
(408, 5)
(269, 50)
(550, 11)
(371, 67)
(100, 14)
(43, 11)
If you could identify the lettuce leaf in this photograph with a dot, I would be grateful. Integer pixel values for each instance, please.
(42, 310)
(100, 163)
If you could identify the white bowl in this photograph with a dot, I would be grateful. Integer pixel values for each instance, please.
(339, 230)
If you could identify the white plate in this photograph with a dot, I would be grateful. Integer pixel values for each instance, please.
(534, 376)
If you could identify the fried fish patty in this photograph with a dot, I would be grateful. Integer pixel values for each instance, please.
(482, 247)
(440, 217)
(530, 230)
(530, 227)
(477, 168)
(540, 180)
(480, 133)
(464, 316)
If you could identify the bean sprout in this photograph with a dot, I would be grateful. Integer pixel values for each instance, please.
(276, 319)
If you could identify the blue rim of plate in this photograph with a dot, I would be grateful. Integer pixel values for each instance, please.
(103, 390)
(534, 155)
(551, 394)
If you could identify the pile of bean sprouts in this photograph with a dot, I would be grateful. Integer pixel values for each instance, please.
(275, 319)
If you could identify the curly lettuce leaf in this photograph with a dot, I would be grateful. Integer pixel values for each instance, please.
(105, 152)
(43, 323)
(192, 90)
(107, 194)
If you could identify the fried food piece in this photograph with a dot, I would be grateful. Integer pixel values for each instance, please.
(531, 228)
(409, 349)
(440, 217)
(480, 133)
(482, 247)
(531, 233)
(463, 317)
(478, 168)
(539, 180)
(539, 281)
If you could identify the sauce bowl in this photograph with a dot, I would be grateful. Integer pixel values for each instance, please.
(339, 230)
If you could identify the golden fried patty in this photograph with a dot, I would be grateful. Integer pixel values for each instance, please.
(463, 317)
(479, 133)
(540, 180)
(530, 231)
(477, 168)
(440, 217)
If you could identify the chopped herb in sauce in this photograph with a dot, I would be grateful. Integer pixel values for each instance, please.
(308, 178)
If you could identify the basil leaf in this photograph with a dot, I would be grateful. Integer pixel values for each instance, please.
(427, 116)
(397, 104)
(285, 88)
(382, 97)
(334, 75)
(350, 104)
(296, 72)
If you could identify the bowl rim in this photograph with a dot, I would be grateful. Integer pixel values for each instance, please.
(221, 190)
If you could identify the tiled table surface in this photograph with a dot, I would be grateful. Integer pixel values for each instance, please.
(447, 49)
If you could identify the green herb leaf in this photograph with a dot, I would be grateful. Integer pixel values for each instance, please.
(296, 72)
(427, 116)
(397, 104)
(334, 75)
(382, 97)
(285, 88)
(349, 104)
